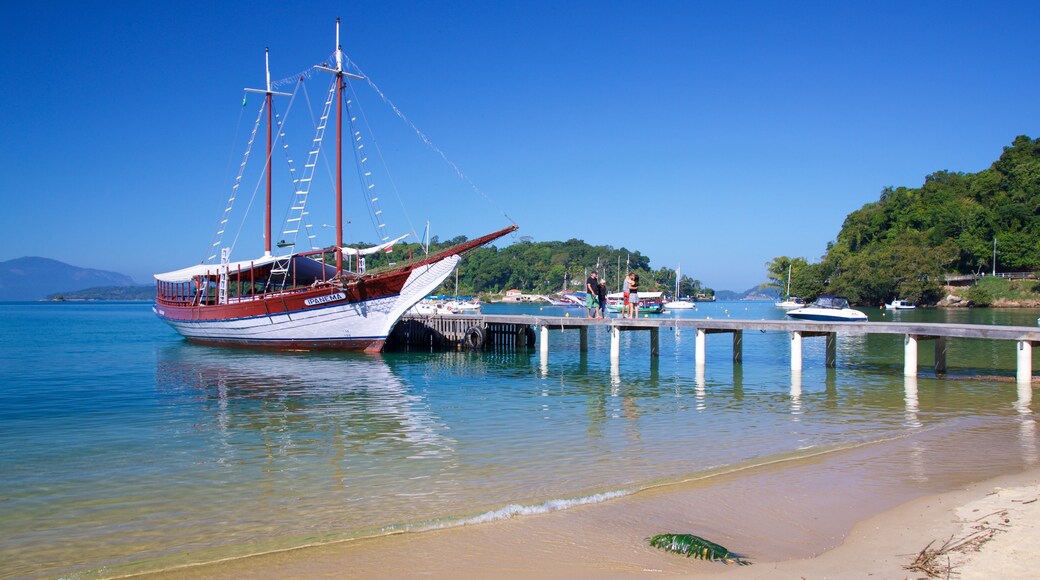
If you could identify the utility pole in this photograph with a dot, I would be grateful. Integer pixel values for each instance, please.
(994, 255)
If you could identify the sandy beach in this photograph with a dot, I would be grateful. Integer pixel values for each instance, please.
(836, 515)
(988, 529)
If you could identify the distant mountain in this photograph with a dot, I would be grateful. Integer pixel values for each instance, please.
(33, 278)
(761, 292)
(728, 295)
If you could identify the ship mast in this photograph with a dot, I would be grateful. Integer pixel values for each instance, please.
(267, 167)
(340, 87)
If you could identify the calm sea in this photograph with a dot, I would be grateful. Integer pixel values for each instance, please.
(125, 449)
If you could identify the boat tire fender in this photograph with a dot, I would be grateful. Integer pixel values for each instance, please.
(474, 338)
(525, 336)
(431, 338)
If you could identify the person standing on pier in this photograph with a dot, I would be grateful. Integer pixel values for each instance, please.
(592, 294)
(624, 290)
(633, 294)
(602, 295)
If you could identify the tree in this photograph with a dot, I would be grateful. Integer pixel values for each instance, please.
(778, 269)
(901, 245)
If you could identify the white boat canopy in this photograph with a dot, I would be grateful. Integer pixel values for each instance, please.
(188, 274)
(191, 272)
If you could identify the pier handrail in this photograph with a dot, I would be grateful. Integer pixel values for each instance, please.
(913, 332)
(982, 331)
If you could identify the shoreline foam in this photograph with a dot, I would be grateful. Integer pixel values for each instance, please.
(803, 516)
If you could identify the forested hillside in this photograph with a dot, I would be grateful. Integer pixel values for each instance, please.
(544, 267)
(903, 244)
(541, 267)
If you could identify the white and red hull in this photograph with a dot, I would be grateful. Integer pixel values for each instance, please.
(350, 318)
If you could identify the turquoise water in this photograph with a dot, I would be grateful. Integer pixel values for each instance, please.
(123, 448)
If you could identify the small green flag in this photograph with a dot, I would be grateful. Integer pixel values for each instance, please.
(243, 100)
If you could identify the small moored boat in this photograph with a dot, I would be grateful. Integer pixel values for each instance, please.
(900, 305)
(678, 303)
(649, 302)
(791, 302)
(829, 309)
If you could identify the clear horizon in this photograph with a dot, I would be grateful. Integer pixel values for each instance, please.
(714, 137)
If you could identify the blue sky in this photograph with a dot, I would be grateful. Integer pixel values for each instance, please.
(717, 135)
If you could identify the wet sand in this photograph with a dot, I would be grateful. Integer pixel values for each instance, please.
(863, 512)
(995, 524)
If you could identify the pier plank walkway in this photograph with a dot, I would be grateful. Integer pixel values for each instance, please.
(522, 328)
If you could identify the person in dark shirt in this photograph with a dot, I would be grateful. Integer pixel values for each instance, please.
(592, 294)
(602, 295)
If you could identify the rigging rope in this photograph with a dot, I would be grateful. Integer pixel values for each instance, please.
(231, 154)
(297, 205)
(222, 224)
(382, 160)
(375, 212)
(372, 198)
(312, 156)
(278, 135)
(427, 141)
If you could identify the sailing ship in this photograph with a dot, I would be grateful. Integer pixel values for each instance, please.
(303, 300)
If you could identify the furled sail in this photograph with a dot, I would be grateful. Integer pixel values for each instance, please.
(373, 249)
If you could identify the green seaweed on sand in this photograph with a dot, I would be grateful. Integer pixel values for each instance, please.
(696, 547)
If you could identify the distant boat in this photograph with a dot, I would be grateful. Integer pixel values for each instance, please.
(516, 296)
(900, 305)
(571, 299)
(828, 309)
(463, 306)
(425, 307)
(790, 301)
(445, 306)
(649, 302)
(678, 304)
(302, 300)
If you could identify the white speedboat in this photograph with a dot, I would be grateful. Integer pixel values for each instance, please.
(828, 309)
(900, 305)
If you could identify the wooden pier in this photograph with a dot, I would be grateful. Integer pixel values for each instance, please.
(478, 332)
(462, 331)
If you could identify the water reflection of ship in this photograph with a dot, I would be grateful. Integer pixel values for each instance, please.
(355, 399)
